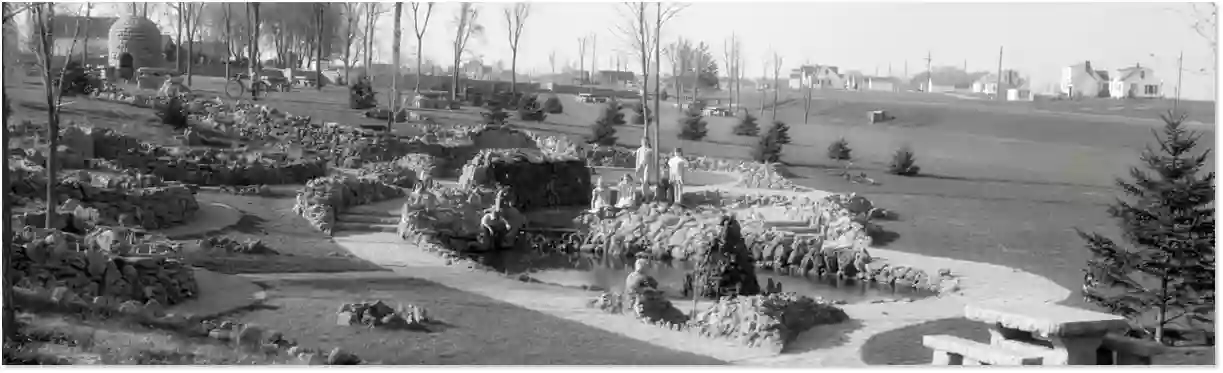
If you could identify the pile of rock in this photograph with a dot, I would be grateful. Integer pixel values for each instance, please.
(232, 246)
(534, 180)
(52, 259)
(650, 306)
(110, 204)
(390, 173)
(379, 314)
(322, 198)
(770, 321)
(725, 269)
(425, 165)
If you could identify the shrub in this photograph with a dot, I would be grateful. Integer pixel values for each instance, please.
(747, 126)
(783, 131)
(768, 149)
(692, 126)
(174, 114)
(904, 163)
(639, 113)
(495, 116)
(604, 130)
(1169, 272)
(553, 105)
(839, 150)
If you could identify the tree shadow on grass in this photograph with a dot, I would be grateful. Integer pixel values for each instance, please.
(823, 336)
(482, 330)
(903, 346)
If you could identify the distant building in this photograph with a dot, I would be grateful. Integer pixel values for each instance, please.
(1081, 80)
(880, 83)
(816, 76)
(615, 77)
(1135, 82)
(988, 84)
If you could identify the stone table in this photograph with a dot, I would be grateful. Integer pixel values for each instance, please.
(1074, 334)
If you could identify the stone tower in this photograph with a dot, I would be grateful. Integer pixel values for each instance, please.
(134, 42)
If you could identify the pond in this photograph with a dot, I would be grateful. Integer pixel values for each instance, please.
(608, 273)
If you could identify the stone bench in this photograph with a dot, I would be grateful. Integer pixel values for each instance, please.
(952, 350)
(1071, 335)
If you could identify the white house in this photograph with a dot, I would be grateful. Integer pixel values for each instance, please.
(1081, 80)
(1135, 82)
(816, 76)
(988, 83)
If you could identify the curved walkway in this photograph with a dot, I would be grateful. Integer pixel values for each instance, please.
(831, 346)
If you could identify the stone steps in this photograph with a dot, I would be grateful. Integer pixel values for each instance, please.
(370, 212)
(363, 227)
(780, 224)
(365, 218)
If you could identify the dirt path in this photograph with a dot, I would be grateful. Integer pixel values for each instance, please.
(833, 346)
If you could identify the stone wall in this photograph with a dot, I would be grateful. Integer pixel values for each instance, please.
(534, 180)
(149, 207)
(325, 197)
(86, 267)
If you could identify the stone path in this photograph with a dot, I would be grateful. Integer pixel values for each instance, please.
(829, 346)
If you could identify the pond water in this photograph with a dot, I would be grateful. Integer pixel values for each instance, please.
(608, 273)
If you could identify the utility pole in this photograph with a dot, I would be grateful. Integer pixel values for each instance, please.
(998, 89)
(1180, 68)
(929, 74)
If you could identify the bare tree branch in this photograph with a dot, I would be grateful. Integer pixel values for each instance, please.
(515, 19)
(419, 28)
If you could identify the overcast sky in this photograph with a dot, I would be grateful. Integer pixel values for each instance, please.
(1038, 38)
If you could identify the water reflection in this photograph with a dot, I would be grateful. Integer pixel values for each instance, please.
(605, 272)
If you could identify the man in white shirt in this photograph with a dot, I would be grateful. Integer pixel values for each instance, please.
(677, 166)
(645, 168)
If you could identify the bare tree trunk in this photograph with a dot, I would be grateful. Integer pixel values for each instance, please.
(318, 60)
(85, 48)
(254, 60)
(191, 18)
(9, 325)
(395, 61)
(657, 78)
(229, 44)
(46, 35)
(762, 90)
(776, 81)
(178, 39)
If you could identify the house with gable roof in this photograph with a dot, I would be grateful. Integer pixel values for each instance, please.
(1082, 80)
(816, 76)
(1135, 82)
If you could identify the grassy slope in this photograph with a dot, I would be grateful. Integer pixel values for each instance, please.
(476, 330)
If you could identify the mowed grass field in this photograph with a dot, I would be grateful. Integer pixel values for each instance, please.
(1003, 183)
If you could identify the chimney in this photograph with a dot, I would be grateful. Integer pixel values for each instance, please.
(1088, 64)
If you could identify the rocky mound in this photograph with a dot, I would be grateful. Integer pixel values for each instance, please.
(770, 321)
(534, 180)
(86, 267)
(322, 198)
(109, 204)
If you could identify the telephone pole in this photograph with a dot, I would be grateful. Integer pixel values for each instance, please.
(929, 74)
(998, 90)
(1180, 68)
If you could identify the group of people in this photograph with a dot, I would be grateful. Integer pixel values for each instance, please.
(630, 194)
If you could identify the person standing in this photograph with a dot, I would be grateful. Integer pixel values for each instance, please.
(677, 166)
(645, 168)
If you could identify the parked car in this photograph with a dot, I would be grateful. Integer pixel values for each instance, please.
(585, 98)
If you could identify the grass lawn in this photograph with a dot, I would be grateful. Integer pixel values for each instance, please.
(475, 330)
(299, 247)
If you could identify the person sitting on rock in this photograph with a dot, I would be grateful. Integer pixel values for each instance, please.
(637, 281)
(600, 199)
(627, 198)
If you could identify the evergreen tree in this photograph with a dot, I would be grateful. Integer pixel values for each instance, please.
(1170, 224)
(747, 126)
(768, 149)
(604, 130)
(692, 126)
(904, 163)
(839, 150)
(783, 131)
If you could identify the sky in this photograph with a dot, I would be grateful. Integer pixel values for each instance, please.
(1038, 39)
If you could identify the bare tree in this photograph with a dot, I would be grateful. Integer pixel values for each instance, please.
(760, 86)
(642, 37)
(321, 22)
(419, 26)
(352, 19)
(806, 86)
(552, 61)
(372, 13)
(515, 19)
(728, 63)
(582, 58)
(390, 121)
(678, 54)
(777, 60)
(44, 16)
(189, 15)
(88, 22)
(467, 26)
(739, 72)
(1206, 23)
(253, 11)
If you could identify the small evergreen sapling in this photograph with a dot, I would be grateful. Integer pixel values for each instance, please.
(839, 150)
(553, 105)
(692, 126)
(604, 130)
(1169, 221)
(768, 148)
(783, 131)
(747, 126)
(904, 163)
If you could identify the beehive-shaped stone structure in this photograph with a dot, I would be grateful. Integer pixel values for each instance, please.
(134, 42)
